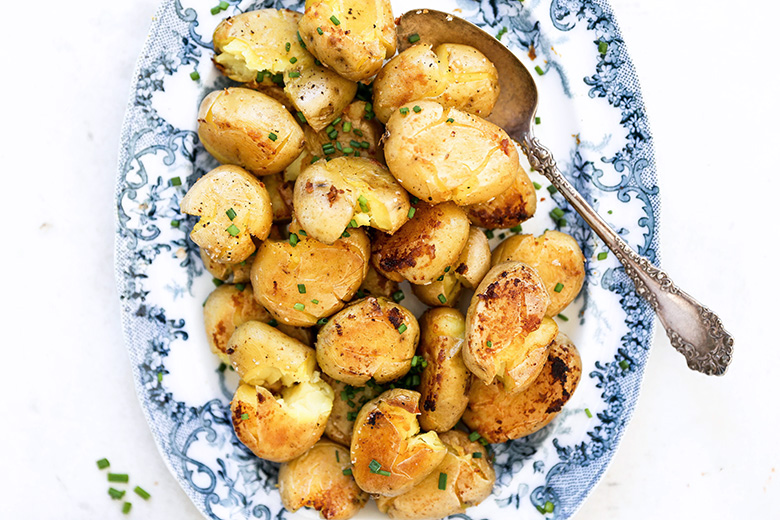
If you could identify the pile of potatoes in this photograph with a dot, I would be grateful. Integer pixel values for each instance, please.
(342, 176)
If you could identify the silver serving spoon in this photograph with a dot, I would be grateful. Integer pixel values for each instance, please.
(693, 329)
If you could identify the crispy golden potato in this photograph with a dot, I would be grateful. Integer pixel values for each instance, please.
(233, 207)
(249, 129)
(500, 416)
(556, 257)
(445, 380)
(423, 247)
(227, 307)
(280, 427)
(352, 37)
(348, 402)
(329, 196)
(329, 274)
(440, 154)
(264, 356)
(372, 338)
(389, 454)
(507, 307)
(316, 480)
(281, 193)
(509, 208)
(318, 93)
(376, 284)
(467, 481)
(454, 75)
(353, 133)
(445, 291)
(258, 41)
(474, 260)
(231, 273)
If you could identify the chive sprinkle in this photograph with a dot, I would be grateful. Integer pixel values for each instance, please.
(118, 477)
(175, 223)
(587, 412)
(301, 288)
(540, 509)
(411, 213)
(322, 321)
(473, 436)
(602, 256)
(244, 416)
(295, 74)
(353, 223)
(233, 230)
(159, 377)
(539, 70)
(116, 494)
(176, 181)
(417, 109)
(489, 233)
(319, 31)
(442, 298)
(440, 279)
(374, 466)
(301, 117)
(231, 213)
(603, 46)
(273, 322)
(299, 306)
(516, 229)
(563, 317)
(404, 110)
(217, 281)
(348, 150)
(552, 189)
(414, 38)
(194, 75)
(398, 296)
(335, 20)
(272, 136)
(557, 213)
(141, 492)
(489, 344)
(293, 59)
(126, 507)
(450, 120)
(347, 472)
(294, 239)
(223, 5)
(477, 455)
(315, 301)
(347, 127)
(215, 10)
(442, 481)
(383, 472)
(287, 46)
(501, 33)
(402, 328)
(538, 120)
(413, 199)
(537, 185)
(558, 287)
(103, 464)
(549, 507)
(623, 364)
(240, 286)
(314, 159)
(363, 203)
(337, 456)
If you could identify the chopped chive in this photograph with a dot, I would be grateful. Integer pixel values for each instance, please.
(215, 10)
(299, 306)
(300, 40)
(413, 199)
(414, 38)
(549, 507)
(501, 33)
(244, 416)
(233, 230)
(335, 20)
(411, 213)
(442, 298)
(314, 159)
(278, 78)
(369, 107)
(358, 132)
(272, 136)
(442, 481)
(609, 212)
(353, 223)
(287, 46)
(347, 472)
(223, 5)
(337, 456)
(194, 75)
(354, 144)
(603, 46)
(217, 281)
(365, 144)
(222, 367)
(240, 286)
(447, 269)
(404, 110)
(402, 328)
(417, 109)
(339, 147)
(302, 288)
(319, 31)
(141, 492)
(260, 76)
(483, 441)
(301, 117)
(303, 233)
(516, 229)
(347, 127)
(489, 234)
(538, 120)
(115, 493)
(450, 120)
(119, 477)
(563, 317)
(336, 121)
(315, 301)
(602, 256)
(623, 364)
(295, 74)
(440, 279)
(294, 239)
(345, 234)
(557, 213)
(175, 223)
(231, 213)
(383, 472)
(477, 455)
(351, 416)
(540, 509)
(348, 150)
(126, 507)
(362, 201)
(374, 466)
(159, 377)
(176, 181)
(587, 412)
(537, 185)
(552, 189)
(539, 70)
(333, 134)
(322, 321)
(489, 344)
(558, 287)
(273, 323)
(398, 296)
(473, 436)
(103, 464)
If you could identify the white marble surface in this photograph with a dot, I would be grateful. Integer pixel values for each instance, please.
(697, 447)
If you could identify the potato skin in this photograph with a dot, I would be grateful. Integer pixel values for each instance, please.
(281, 429)
(363, 342)
(319, 93)
(327, 198)
(508, 305)
(454, 75)
(316, 480)
(357, 46)
(474, 260)
(423, 247)
(210, 198)
(386, 430)
(331, 275)
(236, 126)
(232, 273)
(467, 160)
(509, 208)
(469, 481)
(500, 416)
(556, 257)
(445, 380)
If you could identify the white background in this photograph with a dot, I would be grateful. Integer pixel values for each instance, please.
(698, 447)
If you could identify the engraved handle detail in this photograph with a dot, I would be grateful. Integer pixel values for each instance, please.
(693, 329)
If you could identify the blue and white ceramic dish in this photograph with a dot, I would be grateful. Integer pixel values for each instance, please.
(590, 114)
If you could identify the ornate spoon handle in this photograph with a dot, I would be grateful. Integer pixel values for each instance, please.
(694, 330)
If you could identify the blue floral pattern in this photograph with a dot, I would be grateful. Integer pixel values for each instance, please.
(161, 278)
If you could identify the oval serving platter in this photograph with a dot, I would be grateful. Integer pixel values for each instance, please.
(590, 114)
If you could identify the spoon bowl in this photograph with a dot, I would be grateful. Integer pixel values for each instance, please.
(693, 329)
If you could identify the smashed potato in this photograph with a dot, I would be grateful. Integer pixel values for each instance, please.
(509, 208)
(351, 134)
(348, 402)
(231, 273)
(233, 207)
(319, 479)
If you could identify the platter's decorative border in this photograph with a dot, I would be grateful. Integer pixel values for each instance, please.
(240, 485)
